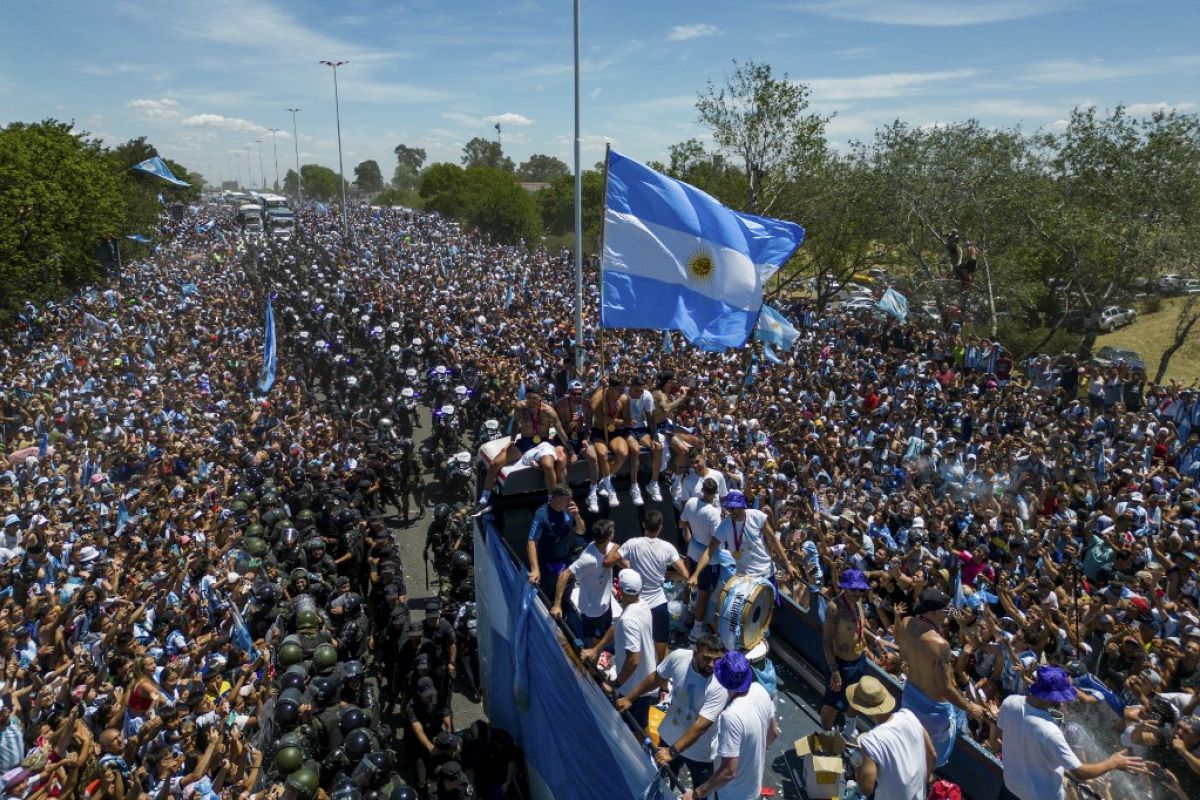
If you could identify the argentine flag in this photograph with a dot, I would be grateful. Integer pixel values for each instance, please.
(774, 329)
(894, 303)
(676, 259)
(266, 378)
(158, 168)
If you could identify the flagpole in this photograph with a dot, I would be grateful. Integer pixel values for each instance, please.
(579, 354)
(600, 273)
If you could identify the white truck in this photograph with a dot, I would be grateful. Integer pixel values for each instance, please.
(250, 218)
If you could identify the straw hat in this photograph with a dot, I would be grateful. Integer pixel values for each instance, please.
(870, 696)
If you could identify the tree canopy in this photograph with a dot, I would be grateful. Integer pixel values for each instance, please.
(409, 161)
(480, 152)
(320, 183)
(542, 169)
(488, 199)
(368, 178)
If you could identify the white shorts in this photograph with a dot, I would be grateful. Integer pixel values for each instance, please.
(536, 453)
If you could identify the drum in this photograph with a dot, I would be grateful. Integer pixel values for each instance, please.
(742, 611)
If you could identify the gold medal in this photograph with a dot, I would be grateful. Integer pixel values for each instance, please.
(537, 440)
(611, 427)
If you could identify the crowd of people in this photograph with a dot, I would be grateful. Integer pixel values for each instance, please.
(203, 594)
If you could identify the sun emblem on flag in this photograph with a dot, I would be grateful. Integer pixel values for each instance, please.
(700, 265)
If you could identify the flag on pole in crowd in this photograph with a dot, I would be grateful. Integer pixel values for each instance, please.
(139, 238)
(775, 329)
(769, 354)
(122, 517)
(668, 343)
(44, 444)
(267, 378)
(894, 303)
(1101, 462)
(205, 227)
(159, 169)
(239, 634)
(959, 600)
(676, 259)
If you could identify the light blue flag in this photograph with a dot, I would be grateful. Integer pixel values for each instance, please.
(676, 259)
(44, 444)
(239, 634)
(668, 343)
(159, 169)
(894, 303)
(959, 598)
(508, 297)
(122, 517)
(1101, 466)
(205, 227)
(267, 378)
(139, 238)
(773, 328)
(769, 354)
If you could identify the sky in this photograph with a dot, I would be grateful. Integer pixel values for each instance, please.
(204, 80)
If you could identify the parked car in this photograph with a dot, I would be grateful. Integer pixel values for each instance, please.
(1190, 286)
(1115, 317)
(1170, 283)
(1109, 356)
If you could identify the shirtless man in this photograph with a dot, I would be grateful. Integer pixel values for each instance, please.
(845, 642)
(643, 433)
(531, 445)
(931, 692)
(610, 427)
(575, 412)
(668, 397)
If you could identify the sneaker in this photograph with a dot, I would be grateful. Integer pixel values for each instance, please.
(676, 489)
(635, 492)
(696, 632)
(593, 500)
(613, 502)
(654, 491)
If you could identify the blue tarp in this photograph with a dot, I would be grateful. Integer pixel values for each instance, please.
(536, 689)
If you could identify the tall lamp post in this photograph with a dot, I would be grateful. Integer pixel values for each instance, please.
(249, 167)
(337, 110)
(275, 146)
(262, 172)
(296, 145)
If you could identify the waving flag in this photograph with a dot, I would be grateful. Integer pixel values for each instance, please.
(774, 329)
(239, 634)
(676, 259)
(139, 238)
(205, 227)
(44, 444)
(894, 303)
(159, 169)
(267, 378)
(668, 343)
(508, 297)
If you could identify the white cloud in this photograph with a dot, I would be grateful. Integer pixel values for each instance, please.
(508, 118)
(1097, 70)
(1148, 109)
(932, 13)
(684, 33)
(166, 108)
(223, 122)
(889, 84)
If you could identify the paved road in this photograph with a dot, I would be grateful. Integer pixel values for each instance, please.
(411, 543)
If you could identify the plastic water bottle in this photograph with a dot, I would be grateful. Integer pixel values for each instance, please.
(851, 792)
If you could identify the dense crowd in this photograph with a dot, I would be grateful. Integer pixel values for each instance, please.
(203, 595)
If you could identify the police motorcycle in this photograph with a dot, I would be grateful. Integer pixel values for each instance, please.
(404, 412)
(458, 479)
(445, 439)
(439, 391)
(487, 432)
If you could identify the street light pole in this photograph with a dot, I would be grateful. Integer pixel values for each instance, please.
(262, 172)
(579, 354)
(296, 145)
(275, 145)
(337, 110)
(249, 168)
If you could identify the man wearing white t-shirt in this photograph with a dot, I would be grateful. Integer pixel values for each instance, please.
(747, 534)
(687, 734)
(652, 558)
(699, 522)
(1036, 753)
(633, 645)
(898, 758)
(690, 487)
(595, 584)
(745, 729)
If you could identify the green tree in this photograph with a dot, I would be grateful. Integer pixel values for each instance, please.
(59, 200)
(1121, 204)
(291, 183)
(480, 152)
(442, 189)
(368, 178)
(764, 122)
(409, 161)
(320, 183)
(490, 200)
(542, 169)
(556, 205)
(709, 172)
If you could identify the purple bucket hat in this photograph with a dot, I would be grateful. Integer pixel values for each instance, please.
(733, 671)
(854, 579)
(735, 499)
(1053, 684)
